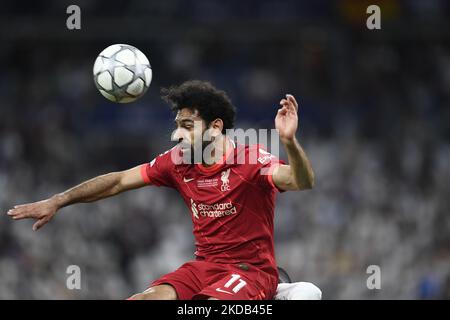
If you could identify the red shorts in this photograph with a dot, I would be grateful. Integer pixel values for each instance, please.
(201, 280)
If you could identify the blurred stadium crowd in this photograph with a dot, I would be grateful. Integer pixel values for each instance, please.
(374, 121)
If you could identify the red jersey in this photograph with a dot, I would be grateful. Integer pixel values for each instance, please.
(231, 204)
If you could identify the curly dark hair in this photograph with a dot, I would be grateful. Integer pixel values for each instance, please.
(210, 102)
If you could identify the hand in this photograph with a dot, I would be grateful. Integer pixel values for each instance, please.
(42, 211)
(286, 120)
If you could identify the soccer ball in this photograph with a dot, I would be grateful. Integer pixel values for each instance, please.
(122, 73)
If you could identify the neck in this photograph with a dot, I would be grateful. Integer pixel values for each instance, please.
(221, 146)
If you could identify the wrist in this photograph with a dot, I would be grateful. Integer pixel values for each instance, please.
(288, 142)
(59, 200)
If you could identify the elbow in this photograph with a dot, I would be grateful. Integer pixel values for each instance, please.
(311, 184)
(311, 181)
(307, 183)
(120, 183)
(116, 184)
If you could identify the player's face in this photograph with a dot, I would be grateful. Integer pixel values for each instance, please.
(189, 131)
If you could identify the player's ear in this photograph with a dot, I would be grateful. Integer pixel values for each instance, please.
(216, 127)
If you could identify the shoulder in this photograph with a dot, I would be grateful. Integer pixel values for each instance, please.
(165, 161)
(257, 165)
(160, 171)
(255, 155)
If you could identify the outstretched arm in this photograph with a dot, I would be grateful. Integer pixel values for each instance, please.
(298, 175)
(100, 187)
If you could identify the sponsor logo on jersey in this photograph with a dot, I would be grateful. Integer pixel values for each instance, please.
(220, 290)
(215, 210)
(194, 209)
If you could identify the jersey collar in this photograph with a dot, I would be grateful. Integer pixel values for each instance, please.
(222, 162)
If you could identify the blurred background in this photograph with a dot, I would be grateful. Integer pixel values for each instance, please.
(374, 121)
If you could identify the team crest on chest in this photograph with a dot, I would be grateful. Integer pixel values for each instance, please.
(224, 176)
(214, 182)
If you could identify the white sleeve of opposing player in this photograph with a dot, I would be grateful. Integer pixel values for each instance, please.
(298, 291)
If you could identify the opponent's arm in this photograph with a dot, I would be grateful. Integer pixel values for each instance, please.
(100, 187)
(298, 175)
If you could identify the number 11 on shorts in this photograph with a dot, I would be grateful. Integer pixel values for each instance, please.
(237, 287)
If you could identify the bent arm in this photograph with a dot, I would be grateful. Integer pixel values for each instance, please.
(298, 175)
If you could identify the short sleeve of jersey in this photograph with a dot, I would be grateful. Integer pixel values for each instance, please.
(263, 169)
(159, 171)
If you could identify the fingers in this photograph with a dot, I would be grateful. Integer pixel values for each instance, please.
(39, 224)
(21, 205)
(290, 103)
(19, 217)
(38, 211)
(284, 106)
(23, 211)
(291, 98)
(17, 214)
(282, 111)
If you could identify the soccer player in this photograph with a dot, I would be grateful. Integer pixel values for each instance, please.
(231, 202)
